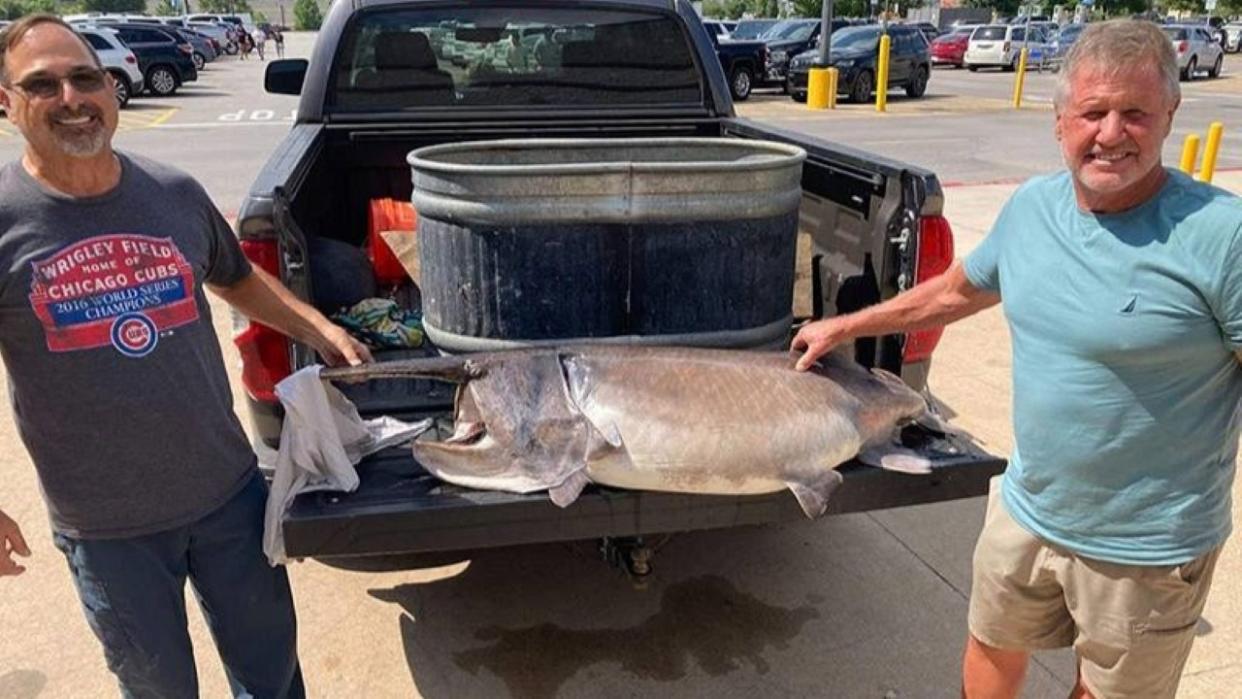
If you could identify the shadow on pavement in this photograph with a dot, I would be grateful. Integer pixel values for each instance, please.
(22, 684)
(531, 618)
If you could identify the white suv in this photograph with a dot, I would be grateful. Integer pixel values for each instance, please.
(117, 59)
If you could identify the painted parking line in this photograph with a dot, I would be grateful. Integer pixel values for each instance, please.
(131, 120)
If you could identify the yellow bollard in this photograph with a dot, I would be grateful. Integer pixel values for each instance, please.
(1190, 151)
(833, 76)
(881, 79)
(1215, 130)
(817, 87)
(1019, 79)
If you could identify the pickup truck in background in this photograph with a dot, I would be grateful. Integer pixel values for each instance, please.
(375, 89)
(743, 62)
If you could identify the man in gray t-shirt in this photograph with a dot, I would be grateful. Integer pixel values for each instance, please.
(118, 385)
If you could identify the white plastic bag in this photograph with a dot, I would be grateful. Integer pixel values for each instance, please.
(323, 438)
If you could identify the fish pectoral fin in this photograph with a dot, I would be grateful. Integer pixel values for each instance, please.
(813, 496)
(564, 494)
(895, 458)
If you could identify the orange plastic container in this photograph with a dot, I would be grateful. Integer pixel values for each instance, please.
(388, 214)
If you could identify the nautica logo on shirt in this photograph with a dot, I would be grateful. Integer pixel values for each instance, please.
(120, 289)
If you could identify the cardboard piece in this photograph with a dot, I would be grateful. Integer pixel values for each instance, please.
(404, 244)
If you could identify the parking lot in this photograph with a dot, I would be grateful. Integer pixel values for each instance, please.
(868, 605)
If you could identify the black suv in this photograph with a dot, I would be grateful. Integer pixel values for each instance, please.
(166, 60)
(855, 52)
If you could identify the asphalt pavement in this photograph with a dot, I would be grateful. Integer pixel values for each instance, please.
(866, 605)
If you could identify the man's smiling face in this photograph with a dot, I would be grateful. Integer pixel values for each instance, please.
(1112, 127)
(79, 118)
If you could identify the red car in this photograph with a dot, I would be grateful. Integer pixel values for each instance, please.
(949, 49)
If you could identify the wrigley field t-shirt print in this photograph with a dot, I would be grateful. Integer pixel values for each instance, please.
(117, 380)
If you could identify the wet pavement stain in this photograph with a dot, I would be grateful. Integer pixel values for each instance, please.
(706, 619)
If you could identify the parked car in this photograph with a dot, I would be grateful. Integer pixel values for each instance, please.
(166, 60)
(950, 48)
(855, 54)
(118, 59)
(203, 50)
(1000, 46)
(929, 30)
(741, 61)
(1233, 36)
(717, 28)
(1214, 25)
(1059, 44)
(786, 39)
(222, 35)
(752, 28)
(1195, 48)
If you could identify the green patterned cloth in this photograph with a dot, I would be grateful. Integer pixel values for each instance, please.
(382, 324)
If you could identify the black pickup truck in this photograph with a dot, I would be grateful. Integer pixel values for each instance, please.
(743, 62)
(374, 90)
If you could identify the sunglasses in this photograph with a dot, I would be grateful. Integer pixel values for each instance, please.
(46, 86)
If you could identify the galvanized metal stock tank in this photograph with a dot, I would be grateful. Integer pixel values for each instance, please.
(657, 240)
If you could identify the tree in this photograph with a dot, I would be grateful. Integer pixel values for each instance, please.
(12, 9)
(223, 7)
(118, 6)
(306, 15)
(840, 8)
(1005, 8)
(166, 8)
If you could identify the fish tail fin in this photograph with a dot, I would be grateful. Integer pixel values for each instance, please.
(813, 496)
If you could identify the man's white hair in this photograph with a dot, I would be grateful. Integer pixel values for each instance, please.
(1120, 46)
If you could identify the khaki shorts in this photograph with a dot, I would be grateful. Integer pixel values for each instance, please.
(1131, 626)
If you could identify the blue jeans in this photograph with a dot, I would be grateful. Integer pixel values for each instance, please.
(133, 593)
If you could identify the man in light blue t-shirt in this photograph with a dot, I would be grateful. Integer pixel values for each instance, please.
(1122, 285)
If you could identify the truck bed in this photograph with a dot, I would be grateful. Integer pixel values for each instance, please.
(399, 508)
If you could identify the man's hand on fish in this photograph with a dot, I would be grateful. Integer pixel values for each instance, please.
(816, 339)
(11, 542)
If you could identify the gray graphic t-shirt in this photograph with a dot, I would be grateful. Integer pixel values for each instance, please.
(115, 372)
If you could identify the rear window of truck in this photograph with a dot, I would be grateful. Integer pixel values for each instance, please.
(496, 56)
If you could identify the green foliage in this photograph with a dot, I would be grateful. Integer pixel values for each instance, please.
(223, 7)
(12, 9)
(122, 6)
(166, 8)
(840, 8)
(1195, 6)
(259, 18)
(306, 15)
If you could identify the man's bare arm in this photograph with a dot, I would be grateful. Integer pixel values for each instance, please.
(262, 297)
(939, 301)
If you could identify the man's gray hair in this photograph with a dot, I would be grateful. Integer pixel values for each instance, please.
(1119, 46)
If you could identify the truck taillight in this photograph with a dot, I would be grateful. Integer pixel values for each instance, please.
(935, 255)
(264, 351)
(131, 58)
(1005, 48)
(1182, 46)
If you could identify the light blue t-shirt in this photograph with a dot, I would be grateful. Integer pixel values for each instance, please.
(1127, 394)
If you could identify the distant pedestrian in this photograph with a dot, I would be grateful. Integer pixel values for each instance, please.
(244, 43)
(279, 38)
(260, 41)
